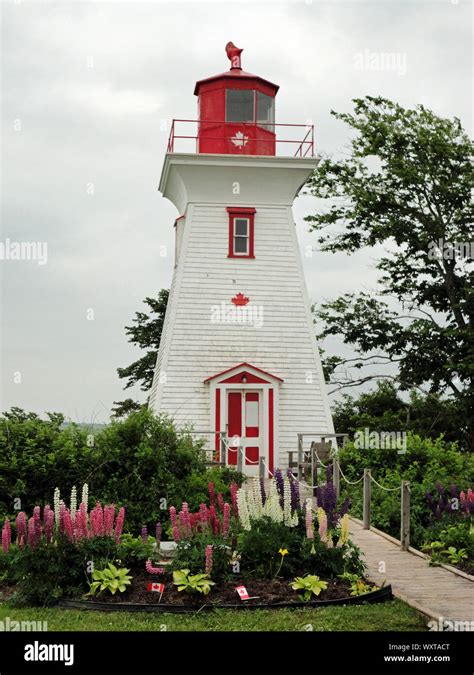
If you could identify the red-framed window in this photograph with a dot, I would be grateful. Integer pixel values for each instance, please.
(241, 232)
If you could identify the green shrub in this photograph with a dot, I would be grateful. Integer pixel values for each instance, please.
(191, 554)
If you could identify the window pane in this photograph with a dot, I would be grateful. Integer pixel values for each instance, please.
(240, 244)
(251, 413)
(241, 226)
(265, 111)
(239, 105)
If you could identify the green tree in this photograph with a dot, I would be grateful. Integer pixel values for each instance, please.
(145, 332)
(406, 185)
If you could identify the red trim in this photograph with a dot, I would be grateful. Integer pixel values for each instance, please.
(241, 212)
(270, 431)
(244, 364)
(218, 424)
(251, 379)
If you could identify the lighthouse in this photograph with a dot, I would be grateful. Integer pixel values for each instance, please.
(238, 359)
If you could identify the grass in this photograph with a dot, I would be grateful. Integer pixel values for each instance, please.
(388, 616)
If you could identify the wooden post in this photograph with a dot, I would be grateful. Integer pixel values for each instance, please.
(223, 458)
(261, 468)
(336, 476)
(240, 452)
(300, 455)
(366, 508)
(405, 516)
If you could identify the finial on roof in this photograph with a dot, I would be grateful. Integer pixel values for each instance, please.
(233, 54)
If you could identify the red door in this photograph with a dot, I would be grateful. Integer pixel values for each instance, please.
(244, 428)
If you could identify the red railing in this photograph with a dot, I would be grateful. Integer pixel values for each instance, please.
(304, 145)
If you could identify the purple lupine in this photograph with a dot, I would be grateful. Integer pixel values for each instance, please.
(294, 491)
(20, 524)
(208, 558)
(327, 499)
(226, 521)
(279, 483)
(158, 531)
(144, 534)
(6, 536)
(119, 524)
(345, 506)
(262, 491)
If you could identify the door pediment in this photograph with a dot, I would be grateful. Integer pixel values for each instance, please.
(244, 373)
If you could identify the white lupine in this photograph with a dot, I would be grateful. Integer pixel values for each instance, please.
(257, 497)
(251, 506)
(56, 503)
(73, 503)
(287, 502)
(85, 495)
(243, 509)
(272, 507)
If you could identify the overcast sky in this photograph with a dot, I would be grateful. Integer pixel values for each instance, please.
(88, 91)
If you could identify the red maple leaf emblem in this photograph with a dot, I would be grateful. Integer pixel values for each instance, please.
(240, 300)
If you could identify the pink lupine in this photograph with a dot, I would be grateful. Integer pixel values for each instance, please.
(20, 524)
(220, 501)
(32, 533)
(119, 524)
(153, 570)
(37, 520)
(109, 516)
(62, 510)
(204, 514)
(6, 536)
(81, 521)
(309, 521)
(226, 523)
(233, 496)
(48, 524)
(97, 520)
(186, 521)
(208, 558)
(174, 524)
(68, 527)
(212, 493)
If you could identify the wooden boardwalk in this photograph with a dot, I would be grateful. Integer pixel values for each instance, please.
(434, 591)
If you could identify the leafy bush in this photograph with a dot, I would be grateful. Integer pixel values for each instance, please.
(110, 579)
(308, 586)
(192, 554)
(192, 583)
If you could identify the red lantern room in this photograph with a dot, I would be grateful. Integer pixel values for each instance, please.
(236, 111)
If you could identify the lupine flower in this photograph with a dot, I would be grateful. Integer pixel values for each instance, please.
(6, 536)
(97, 520)
(262, 491)
(344, 536)
(309, 520)
(144, 533)
(57, 505)
(32, 534)
(214, 520)
(153, 570)
(323, 524)
(208, 558)
(81, 520)
(48, 524)
(85, 496)
(20, 524)
(174, 524)
(68, 529)
(73, 502)
(62, 509)
(186, 520)
(243, 512)
(220, 501)
(212, 493)
(158, 530)
(109, 515)
(295, 491)
(119, 524)
(279, 484)
(37, 519)
(226, 523)
(233, 497)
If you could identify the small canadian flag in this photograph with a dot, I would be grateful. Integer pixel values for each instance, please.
(156, 588)
(243, 593)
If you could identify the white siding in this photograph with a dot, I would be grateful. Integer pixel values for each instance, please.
(193, 348)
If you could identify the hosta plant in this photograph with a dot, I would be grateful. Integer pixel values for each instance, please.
(110, 578)
(192, 583)
(358, 585)
(454, 555)
(308, 586)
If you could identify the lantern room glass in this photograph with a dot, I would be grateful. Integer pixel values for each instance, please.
(240, 104)
(265, 111)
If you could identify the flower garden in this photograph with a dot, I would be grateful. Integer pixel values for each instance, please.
(263, 546)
